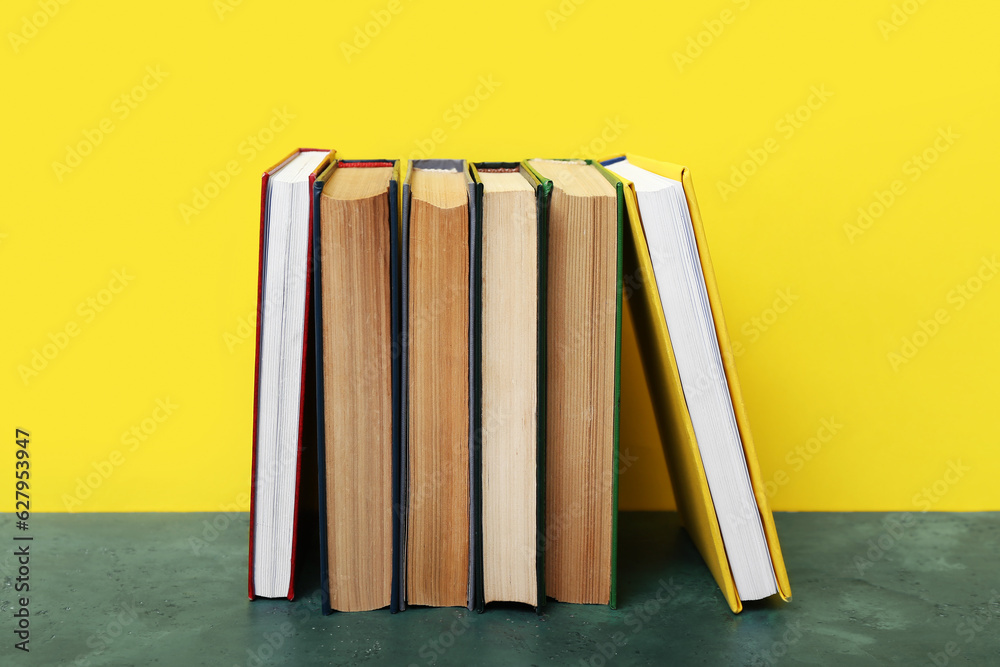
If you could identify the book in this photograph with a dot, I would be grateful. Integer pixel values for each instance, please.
(440, 311)
(583, 332)
(356, 302)
(691, 373)
(511, 446)
(279, 369)
(466, 352)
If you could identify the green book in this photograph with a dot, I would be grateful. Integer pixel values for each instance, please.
(583, 353)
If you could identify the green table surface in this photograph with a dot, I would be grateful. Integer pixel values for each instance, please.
(170, 589)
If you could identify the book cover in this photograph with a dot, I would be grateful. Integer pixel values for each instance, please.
(687, 473)
(475, 246)
(618, 186)
(257, 342)
(396, 333)
(542, 192)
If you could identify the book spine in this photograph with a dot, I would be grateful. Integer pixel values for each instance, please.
(620, 196)
(256, 376)
(402, 461)
(619, 187)
(477, 595)
(317, 253)
(543, 193)
(397, 375)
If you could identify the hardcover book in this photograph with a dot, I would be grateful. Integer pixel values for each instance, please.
(583, 350)
(358, 341)
(691, 373)
(283, 285)
(440, 311)
(511, 443)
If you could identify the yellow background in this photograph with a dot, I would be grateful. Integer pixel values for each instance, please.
(584, 79)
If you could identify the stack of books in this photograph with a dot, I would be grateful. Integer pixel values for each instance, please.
(467, 336)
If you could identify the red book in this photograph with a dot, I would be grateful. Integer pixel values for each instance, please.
(283, 285)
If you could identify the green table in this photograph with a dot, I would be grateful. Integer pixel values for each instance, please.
(170, 589)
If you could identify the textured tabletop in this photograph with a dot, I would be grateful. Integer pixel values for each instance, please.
(170, 589)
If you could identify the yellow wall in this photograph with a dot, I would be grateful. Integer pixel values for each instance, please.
(159, 300)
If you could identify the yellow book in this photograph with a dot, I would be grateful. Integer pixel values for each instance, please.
(716, 477)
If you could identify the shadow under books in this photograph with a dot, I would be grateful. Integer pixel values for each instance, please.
(655, 554)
